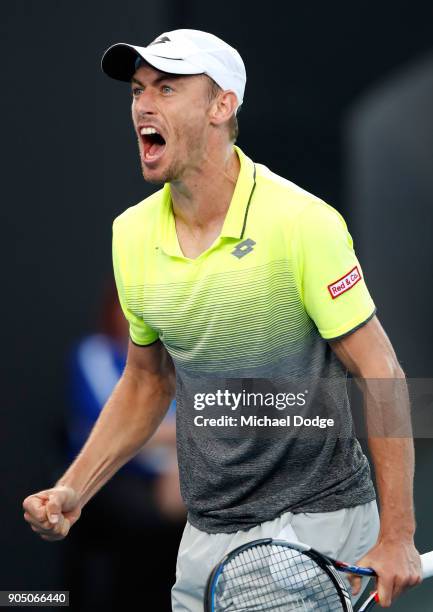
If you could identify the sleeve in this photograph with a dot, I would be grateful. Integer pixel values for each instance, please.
(330, 278)
(140, 333)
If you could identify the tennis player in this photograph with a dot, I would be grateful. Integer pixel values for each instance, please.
(230, 274)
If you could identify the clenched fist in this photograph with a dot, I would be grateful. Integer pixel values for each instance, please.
(52, 513)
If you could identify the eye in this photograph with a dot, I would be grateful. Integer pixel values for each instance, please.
(136, 91)
(166, 89)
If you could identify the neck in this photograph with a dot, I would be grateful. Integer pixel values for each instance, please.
(202, 197)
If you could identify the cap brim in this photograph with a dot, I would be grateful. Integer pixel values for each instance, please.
(118, 62)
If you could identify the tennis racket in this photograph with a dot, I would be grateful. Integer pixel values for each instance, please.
(280, 576)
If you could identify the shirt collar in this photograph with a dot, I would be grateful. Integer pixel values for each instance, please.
(168, 237)
(236, 216)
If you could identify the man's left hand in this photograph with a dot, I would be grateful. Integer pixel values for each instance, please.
(397, 565)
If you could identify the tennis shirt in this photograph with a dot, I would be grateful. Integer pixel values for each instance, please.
(250, 318)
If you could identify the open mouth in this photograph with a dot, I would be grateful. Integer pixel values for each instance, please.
(153, 144)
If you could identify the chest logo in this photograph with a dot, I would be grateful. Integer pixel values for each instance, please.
(243, 248)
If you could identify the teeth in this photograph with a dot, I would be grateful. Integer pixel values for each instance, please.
(148, 130)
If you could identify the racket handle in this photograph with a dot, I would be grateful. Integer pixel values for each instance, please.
(427, 564)
(427, 572)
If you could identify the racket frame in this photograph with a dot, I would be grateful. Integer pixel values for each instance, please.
(328, 565)
(322, 560)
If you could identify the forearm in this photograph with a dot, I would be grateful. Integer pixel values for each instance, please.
(130, 417)
(393, 460)
(369, 356)
(391, 446)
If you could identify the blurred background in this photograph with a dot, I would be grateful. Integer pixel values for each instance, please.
(339, 99)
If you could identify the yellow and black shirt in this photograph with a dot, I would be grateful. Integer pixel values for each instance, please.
(257, 305)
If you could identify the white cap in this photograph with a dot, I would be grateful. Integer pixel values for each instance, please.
(181, 52)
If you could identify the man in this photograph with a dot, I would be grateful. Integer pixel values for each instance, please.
(231, 275)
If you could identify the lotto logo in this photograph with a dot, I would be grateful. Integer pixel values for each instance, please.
(243, 248)
(344, 283)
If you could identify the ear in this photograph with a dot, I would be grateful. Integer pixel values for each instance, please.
(223, 107)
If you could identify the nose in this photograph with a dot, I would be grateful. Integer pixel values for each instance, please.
(144, 104)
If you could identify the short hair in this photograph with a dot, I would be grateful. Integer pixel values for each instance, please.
(213, 90)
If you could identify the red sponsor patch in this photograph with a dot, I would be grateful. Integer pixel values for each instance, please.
(344, 283)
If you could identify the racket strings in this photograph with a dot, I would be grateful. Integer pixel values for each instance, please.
(276, 578)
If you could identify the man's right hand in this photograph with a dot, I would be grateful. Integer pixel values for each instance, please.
(51, 513)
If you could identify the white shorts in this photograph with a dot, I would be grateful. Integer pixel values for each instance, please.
(345, 534)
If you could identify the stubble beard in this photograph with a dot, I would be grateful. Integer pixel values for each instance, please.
(167, 176)
(177, 167)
